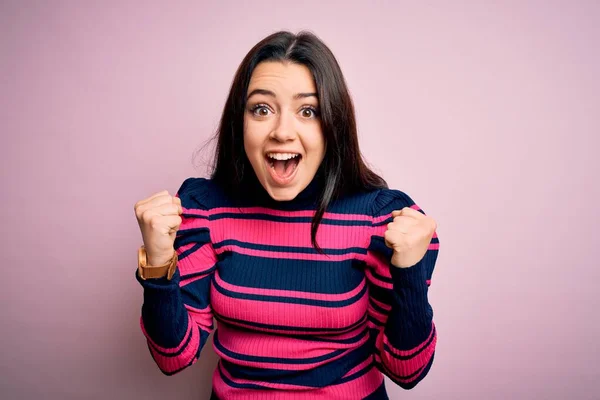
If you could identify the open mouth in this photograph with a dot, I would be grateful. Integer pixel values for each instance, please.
(283, 166)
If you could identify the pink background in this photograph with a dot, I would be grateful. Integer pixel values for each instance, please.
(486, 113)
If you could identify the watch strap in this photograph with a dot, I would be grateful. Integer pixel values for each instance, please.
(146, 271)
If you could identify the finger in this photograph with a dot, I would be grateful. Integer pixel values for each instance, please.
(403, 219)
(398, 227)
(154, 202)
(393, 238)
(167, 209)
(408, 212)
(173, 222)
(155, 195)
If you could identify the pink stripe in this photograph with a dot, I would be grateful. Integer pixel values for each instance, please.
(187, 281)
(289, 314)
(434, 246)
(164, 349)
(280, 366)
(184, 248)
(289, 331)
(261, 345)
(381, 218)
(407, 353)
(376, 281)
(359, 367)
(382, 318)
(281, 213)
(192, 223)
(289, 293)
(195, 211)
(172, 363)
(357, 388)
(400, 368)
(286, 254)
(290, 234)
(281, 386)
(200, 260)
(202, 317)
(400, 376)
(385, 306)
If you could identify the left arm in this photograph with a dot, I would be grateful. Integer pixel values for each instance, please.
(400, 258)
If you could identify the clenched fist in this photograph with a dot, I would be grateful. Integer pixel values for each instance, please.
(409, 236)
(159, 219)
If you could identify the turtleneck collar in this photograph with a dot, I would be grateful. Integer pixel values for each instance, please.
(253, 192)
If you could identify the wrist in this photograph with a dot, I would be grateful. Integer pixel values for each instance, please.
(147, 268)
(154, 260)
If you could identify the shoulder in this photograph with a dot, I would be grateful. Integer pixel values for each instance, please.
(373, 203)
(201, 193)
(388, 200)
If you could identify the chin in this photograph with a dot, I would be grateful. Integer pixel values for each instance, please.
(282, 194)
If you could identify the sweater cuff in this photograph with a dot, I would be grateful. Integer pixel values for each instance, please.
(164, 316)
(159, 283)
(409, 278)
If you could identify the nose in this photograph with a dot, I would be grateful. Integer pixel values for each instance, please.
(284, 129)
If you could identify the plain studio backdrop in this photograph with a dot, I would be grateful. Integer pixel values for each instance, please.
(485, 112)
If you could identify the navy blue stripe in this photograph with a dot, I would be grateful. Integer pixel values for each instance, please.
(199, 273)
(198, 236)
(377, 307)
(185, 344)
(381, 277)
(278, 360)
(375, 321)
(380, 294)
(277, 218)
(239, 385)
(396, 377)
(317, 377)
(195, 294)
(288, 249)
(186, 215)
(357, 374)
(291, 300)
(389, 351)
(329, 277)
(171, 373)
(283, 328)
(351, 340)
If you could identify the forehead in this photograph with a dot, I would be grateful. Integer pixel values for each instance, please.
(285, 78)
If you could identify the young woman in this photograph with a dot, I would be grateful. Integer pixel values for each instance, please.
(316, 273)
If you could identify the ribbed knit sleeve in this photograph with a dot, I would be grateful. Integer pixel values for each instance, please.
(176, 317)
(400, 315)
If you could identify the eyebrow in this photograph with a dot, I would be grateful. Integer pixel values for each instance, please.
(272, 94)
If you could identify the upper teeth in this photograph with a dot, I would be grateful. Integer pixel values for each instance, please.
(282, 156)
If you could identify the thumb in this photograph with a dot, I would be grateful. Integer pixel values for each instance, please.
(396, 213)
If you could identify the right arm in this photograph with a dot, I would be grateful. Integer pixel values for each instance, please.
(176, 317)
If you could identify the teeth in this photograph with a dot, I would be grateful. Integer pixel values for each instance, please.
(282, 156)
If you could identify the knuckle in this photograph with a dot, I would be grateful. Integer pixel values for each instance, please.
(147, 217)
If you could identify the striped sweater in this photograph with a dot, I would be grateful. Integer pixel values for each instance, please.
(292, 323)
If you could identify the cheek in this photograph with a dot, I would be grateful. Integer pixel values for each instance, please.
(316, 144)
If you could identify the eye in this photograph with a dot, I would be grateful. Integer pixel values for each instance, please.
(310, 112)
(260, 110)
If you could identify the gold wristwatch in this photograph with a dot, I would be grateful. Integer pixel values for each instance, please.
(146, 271)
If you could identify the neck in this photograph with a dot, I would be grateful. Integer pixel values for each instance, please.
(253, 192)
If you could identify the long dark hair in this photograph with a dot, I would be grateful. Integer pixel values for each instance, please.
(343, 168)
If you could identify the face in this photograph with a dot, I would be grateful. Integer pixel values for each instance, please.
(282, 128)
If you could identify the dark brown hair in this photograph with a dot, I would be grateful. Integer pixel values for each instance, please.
(343, 168)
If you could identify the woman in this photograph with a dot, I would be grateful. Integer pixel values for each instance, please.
(315, 271)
